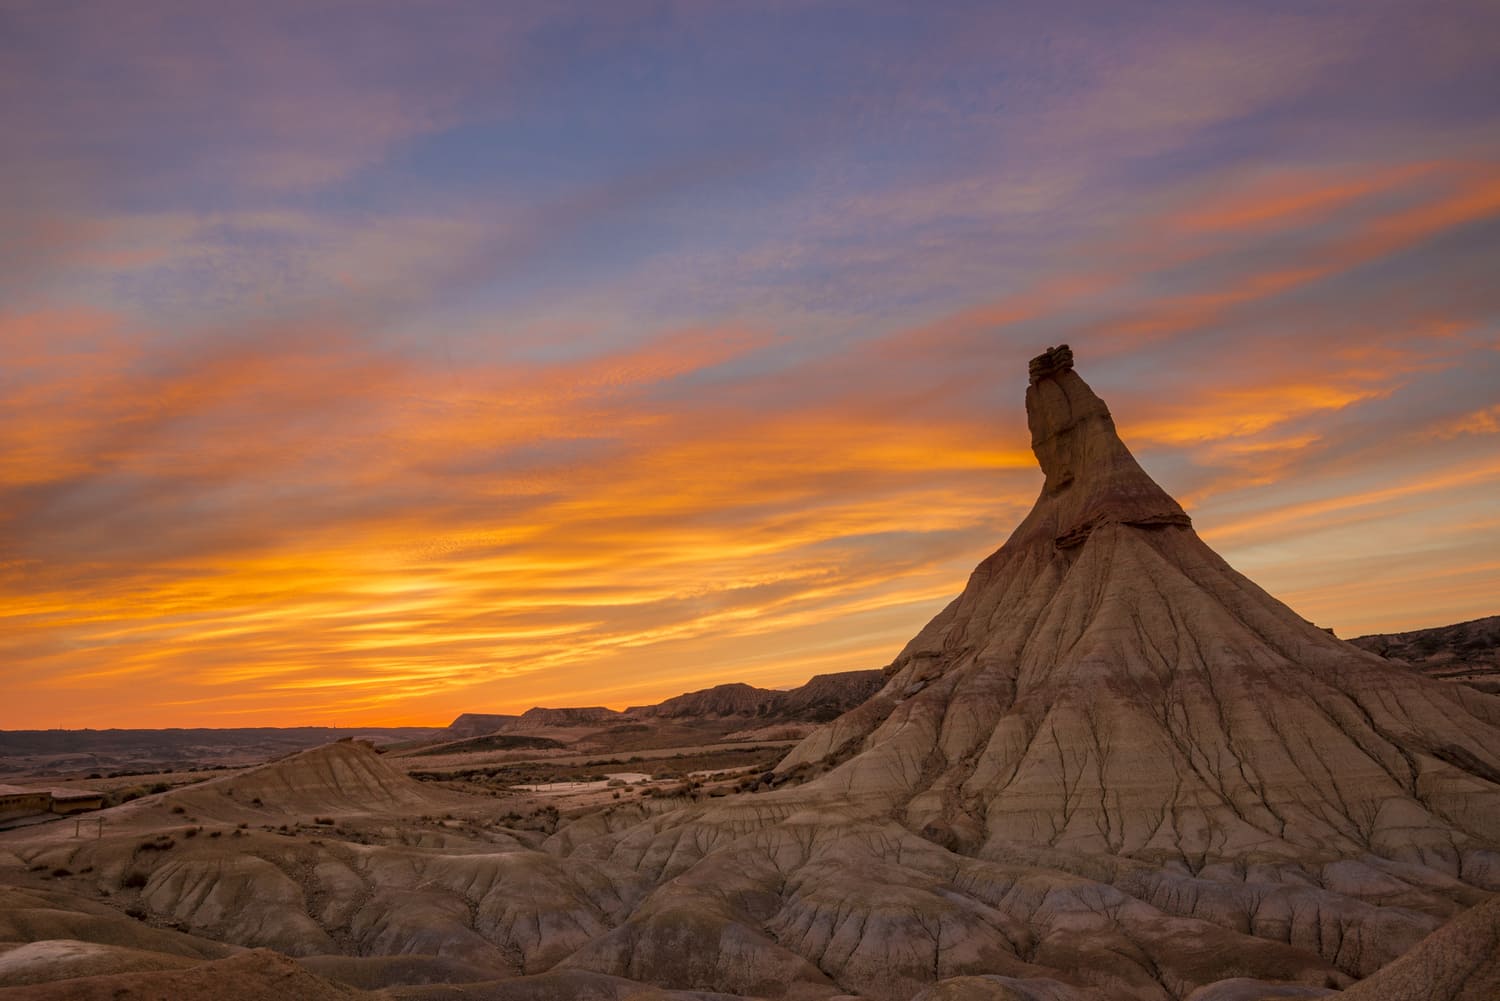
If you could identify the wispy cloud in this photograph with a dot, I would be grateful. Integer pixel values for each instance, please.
(393, 366)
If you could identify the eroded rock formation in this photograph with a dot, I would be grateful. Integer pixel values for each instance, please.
(1111, 762)
(1112, 769)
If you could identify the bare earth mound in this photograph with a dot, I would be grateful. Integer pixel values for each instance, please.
(1459, 962)
(1112, 769)
(347, 777)
(249, 977)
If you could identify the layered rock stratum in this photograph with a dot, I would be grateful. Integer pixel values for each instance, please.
(1112, 768)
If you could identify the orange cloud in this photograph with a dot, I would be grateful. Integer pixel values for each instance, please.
(1434, 199)
(1290, 199)
(292, 526)
(680, 529)
(1347, 506)
(1485, 421)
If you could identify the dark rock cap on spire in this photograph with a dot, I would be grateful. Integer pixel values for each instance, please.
(1092, 478)
(1051, 362)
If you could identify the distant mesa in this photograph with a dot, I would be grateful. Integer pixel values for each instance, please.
(828, 695)
(1466, 652)
(478, 724)
(540, 716)
(822, 698)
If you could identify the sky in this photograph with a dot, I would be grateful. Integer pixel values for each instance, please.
(372, 363)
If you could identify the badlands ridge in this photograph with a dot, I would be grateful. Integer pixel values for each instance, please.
(1112, 768)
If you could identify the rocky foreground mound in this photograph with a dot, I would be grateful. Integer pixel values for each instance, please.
(1112, 769)
(344, 777)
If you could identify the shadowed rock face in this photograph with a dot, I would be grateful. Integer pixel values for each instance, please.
(1458, 962)
(541, 716)
(718, 701)
(824, 692)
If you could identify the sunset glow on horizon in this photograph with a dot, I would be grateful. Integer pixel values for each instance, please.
(368, 365)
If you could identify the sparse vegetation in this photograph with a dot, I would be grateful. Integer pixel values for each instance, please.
(491, 742)
(665, 768)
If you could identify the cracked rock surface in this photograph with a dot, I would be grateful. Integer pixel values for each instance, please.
(1112, 769)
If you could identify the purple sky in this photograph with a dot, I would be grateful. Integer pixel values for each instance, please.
(374, 363)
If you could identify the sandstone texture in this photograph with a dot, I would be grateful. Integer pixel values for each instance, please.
(1112, 769)
(1112, 763)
